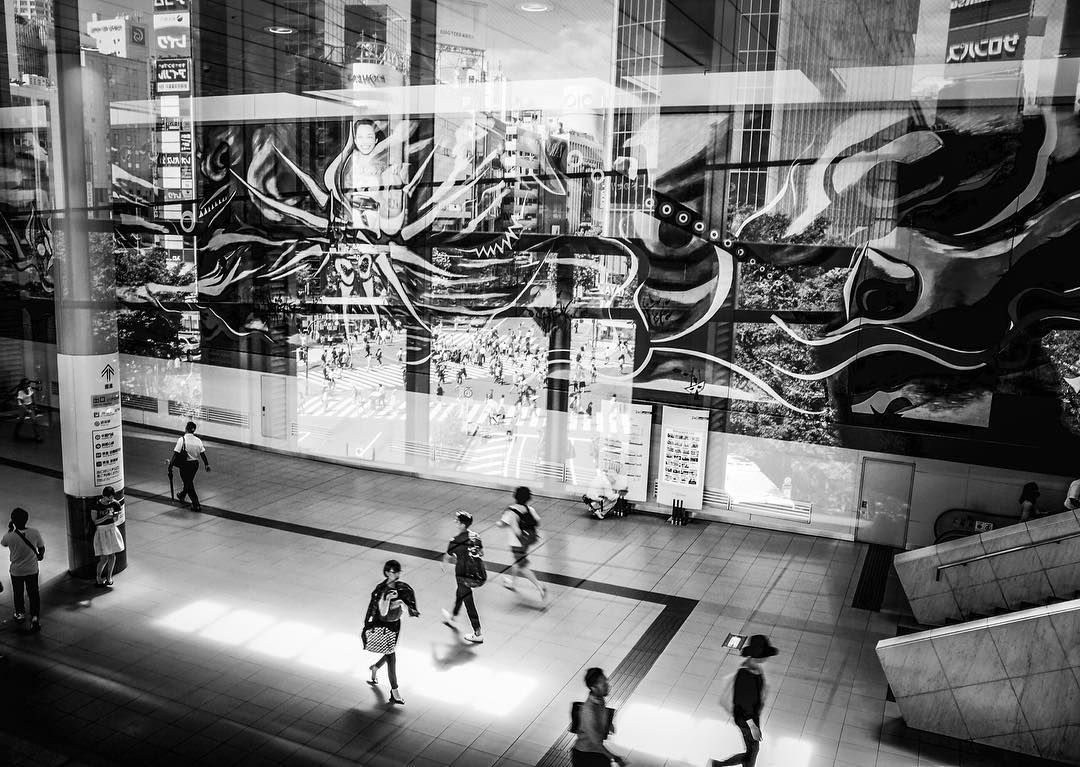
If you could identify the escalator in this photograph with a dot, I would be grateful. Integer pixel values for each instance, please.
(990, 655)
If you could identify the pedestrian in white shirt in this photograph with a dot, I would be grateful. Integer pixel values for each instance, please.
(189, 449)
(522, 524)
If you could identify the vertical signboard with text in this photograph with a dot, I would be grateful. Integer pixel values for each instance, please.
(174, 130)
(684, 439)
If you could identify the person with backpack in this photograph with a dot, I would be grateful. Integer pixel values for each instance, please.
(747, 699)
(522, 523)
(592, 721)
(466, 550)
(26, 548)
(186, 454)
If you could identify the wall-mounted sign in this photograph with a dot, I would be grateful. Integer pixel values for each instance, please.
(93, 448)
(172, 76)
(172, 34)
(370, 75)
(684, 440)
(138, 35)
(986, 49)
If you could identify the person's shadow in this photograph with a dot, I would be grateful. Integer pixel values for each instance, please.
(451, 656)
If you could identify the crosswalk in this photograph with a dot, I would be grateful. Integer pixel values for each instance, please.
(469, 414)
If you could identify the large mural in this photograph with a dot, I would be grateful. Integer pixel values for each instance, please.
(912, 280)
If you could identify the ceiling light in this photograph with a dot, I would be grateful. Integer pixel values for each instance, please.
(276, 29)
(534, 7)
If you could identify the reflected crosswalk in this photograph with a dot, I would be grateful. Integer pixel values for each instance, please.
(470, 414)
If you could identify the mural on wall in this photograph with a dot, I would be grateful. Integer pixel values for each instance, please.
(952, 310)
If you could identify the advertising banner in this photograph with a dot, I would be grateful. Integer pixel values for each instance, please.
(684, 440)
(172, 76)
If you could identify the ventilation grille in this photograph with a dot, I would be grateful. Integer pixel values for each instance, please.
(139, 402)
(211, 414)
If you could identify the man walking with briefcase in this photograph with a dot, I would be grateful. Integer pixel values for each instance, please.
(189, 449)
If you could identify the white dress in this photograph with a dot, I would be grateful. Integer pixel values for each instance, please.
(107, 538)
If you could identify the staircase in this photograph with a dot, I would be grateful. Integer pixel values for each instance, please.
(993, 653)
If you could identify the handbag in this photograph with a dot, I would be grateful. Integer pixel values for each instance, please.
(179, 457)
(378, 639)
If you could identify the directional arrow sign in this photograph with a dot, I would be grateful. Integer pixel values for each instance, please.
(108, 372)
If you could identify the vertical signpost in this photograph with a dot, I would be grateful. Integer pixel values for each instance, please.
(174, 132)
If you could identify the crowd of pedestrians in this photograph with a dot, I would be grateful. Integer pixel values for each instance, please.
(591, 720)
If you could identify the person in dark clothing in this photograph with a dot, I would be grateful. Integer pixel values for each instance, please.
(1029, 502)
(382, 624)
(464, 546)
(749, 698)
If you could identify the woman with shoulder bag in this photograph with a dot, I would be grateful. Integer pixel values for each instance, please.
(382, 624)
(26, 548)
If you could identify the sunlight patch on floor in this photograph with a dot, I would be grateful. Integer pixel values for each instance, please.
(455, 678)
(680, 737)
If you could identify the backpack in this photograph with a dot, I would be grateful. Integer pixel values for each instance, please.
(473, 573)
(526, 524)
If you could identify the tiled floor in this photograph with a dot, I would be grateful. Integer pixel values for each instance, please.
(232, 637)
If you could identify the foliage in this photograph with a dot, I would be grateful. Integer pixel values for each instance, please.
(771, 227)
(1063, 350)
(143, 331)
(754, 345)
(797, 288)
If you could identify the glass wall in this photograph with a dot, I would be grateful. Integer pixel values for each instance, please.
(492, 240)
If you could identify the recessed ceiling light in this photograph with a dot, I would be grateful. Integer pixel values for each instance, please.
(274, 29)
(534, 7)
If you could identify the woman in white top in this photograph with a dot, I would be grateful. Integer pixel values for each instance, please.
(107, 517)
(27, 409)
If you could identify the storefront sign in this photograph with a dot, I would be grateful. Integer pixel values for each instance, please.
(172, 34)
(94, 449)
(1000, 46)
(171, 5)
(371, 75)
(684, 440)
(172, 76)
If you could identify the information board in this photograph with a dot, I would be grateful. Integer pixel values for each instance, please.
(684, 440)
(91, 423)
(624, 447)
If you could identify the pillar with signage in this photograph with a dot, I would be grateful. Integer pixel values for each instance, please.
(88, 363)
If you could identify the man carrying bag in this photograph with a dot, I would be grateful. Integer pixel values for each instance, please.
(185, 457)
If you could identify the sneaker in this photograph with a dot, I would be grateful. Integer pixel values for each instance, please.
(598, 514)
(19, 617)
(475, 638)
(448, 619)
(35, 627)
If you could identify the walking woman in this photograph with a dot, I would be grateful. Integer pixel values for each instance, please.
(26, 548)
(382, 625)
(748, 700)
(107, 516)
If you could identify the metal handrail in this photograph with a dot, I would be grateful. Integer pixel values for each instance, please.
(1031, 545)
